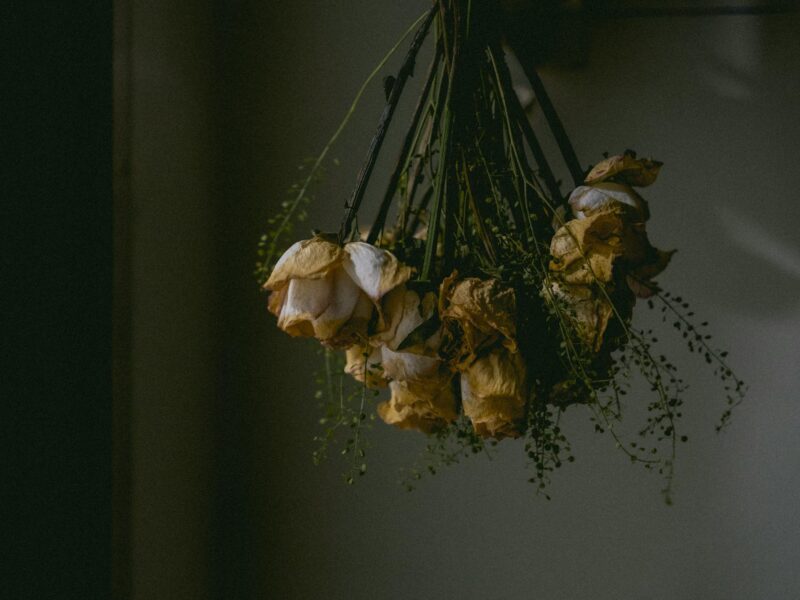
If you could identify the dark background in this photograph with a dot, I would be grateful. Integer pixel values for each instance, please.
(181, 469)
(57, 257)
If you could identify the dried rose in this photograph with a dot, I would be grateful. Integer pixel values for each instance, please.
(322, 290)
(407, 342)
(425, 406)
(475, 315)
(587, 308)
(625, 168)
(405, 353)
(585, 251)
(493, 394)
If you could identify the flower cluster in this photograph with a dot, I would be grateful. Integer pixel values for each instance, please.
(436, 350)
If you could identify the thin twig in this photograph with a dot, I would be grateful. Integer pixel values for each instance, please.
(554, 121)
(422, 105)
(351, 207)
(530, 136)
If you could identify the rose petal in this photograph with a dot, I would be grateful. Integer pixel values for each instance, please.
(493, 394)
(477, 313)
(306, 259)
(584, 250)
(276, 300)
(305, 300)
(362, 364)
(425, 407)
(403, 313)
(626, 168)
(407, 366)
(588, 309)
(585, 200)
(374, 270)
(341, 303)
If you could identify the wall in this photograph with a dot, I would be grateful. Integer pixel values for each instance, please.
(226, 500)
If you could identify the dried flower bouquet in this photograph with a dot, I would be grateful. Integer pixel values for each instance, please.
(491, 301)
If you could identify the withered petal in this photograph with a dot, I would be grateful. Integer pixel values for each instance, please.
(627, 168)
(494, 393)
(306, 259)
(374, 270)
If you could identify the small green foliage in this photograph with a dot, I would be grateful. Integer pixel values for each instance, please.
(445, 447)
(344, 402)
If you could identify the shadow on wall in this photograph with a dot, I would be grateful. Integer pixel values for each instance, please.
(714, 98)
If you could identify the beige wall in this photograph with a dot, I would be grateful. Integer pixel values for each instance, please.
(226, 502)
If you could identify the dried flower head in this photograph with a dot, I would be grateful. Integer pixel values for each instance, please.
(322, 290)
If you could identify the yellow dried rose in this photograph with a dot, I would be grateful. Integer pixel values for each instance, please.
(625, 168)
(494, 393)
(584, 250)
(587, 308)
(427, 406)
(320, 289)
(475, 315)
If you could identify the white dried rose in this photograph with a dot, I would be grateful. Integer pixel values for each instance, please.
(320, 289)
(587, 200)
(408, 351)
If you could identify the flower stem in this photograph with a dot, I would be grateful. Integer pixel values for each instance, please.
(351, 207)
(422, 105)
(556, 126)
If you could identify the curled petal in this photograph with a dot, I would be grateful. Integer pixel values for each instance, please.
(276, 300)
(626, 168)
(404, 312)
(409, 366)
(303, 301)
(374, 270)
(586, 200)
(476, 313)
(493, 394)
(341, 303)
(364, 365)
(306, 259)
(425, 407)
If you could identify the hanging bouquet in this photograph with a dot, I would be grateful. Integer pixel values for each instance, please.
(483, 298)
